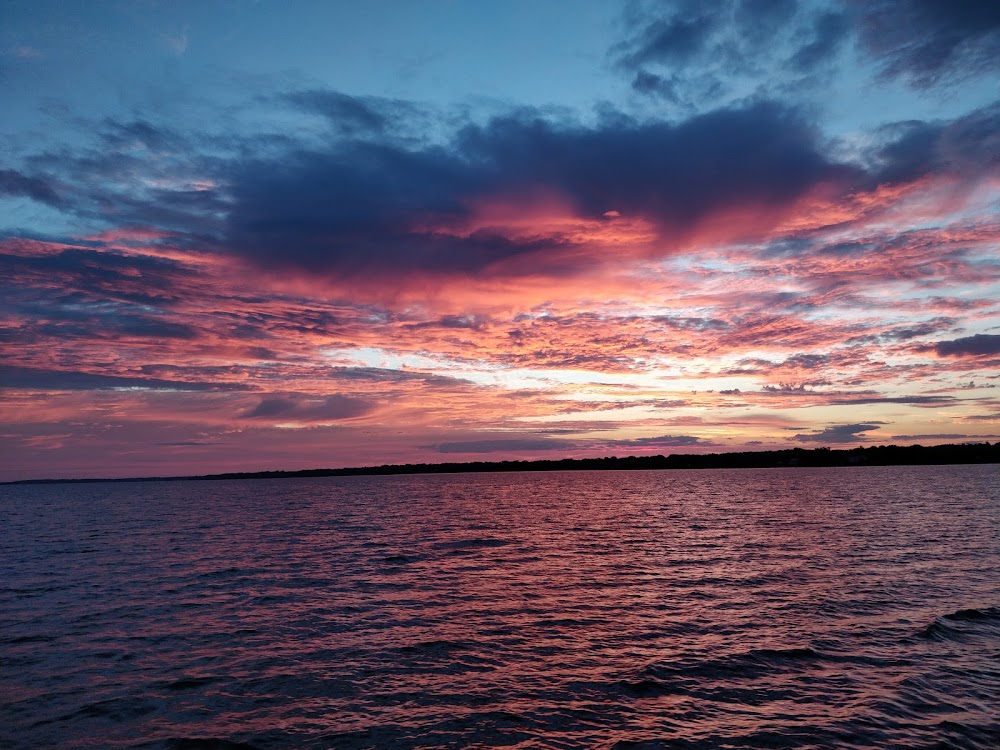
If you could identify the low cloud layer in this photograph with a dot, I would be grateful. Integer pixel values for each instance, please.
(307, 409)
(838, 434)
(970, 346)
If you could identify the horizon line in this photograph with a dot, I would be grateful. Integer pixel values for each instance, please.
(566, 463)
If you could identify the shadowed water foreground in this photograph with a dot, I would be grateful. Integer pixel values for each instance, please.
(816, 608)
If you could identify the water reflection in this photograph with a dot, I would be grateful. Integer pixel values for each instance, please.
(769, 608)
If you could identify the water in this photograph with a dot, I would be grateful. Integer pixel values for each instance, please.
(798, 608)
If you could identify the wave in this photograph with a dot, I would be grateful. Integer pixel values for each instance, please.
(963, 623)
(604, 622)
(470, 544)
(974, 615)
(750, 665)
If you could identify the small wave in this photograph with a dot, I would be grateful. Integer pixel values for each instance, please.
(970, 735)
(961, 623)
(471, 544)
(117, 710)
(28, 639)
(974, 615)
(524, 620)
(222, 573)
(189, 683)
(749, 665)
(434, 647)
(398, 559)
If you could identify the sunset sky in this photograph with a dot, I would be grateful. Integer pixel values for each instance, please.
(243, 235)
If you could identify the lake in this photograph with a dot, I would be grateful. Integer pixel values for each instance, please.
(771, 608)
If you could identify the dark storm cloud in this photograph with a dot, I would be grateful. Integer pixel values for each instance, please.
(355, 116)
(85, 261)
(969, 346)
(118, 134)
(352, 208)
(140, 173)
(16, 184)
(926, 41)
(673, 174)
(828, 32)
(692, 53)
(759, 18)
(38, 314)
(93, 285)
(682, 33)
(672, 39)
(297, 408)
(365, 206)
(841, 433)
(387, 206)
(966, 147)
(30, 378)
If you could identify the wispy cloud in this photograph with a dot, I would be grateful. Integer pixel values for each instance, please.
(25, 52)
(840, 433)
(177, 42)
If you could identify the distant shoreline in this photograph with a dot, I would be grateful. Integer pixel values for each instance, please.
(882, 455)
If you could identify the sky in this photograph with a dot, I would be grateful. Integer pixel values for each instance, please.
(241, 236)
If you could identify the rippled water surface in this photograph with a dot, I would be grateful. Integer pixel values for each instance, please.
(798, 608)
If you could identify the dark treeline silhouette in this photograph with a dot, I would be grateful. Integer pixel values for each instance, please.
(881, 455)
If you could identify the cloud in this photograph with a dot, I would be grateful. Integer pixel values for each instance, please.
(935, 436)
(841, 433)
(693, 54)
(822, 42)
(967, 148)
(306, 409)
(662, 441)
(469, 322)
(17, 184)
(915, 400)
(672, 39)
(142, 280)
(925, 42)
(386, 375)
(360, 207)
(130, 134)
(982, 344)
(525, 194)
(139, 173)
(24, 52)
(177, 43)
(356, 116)
(38, 379)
